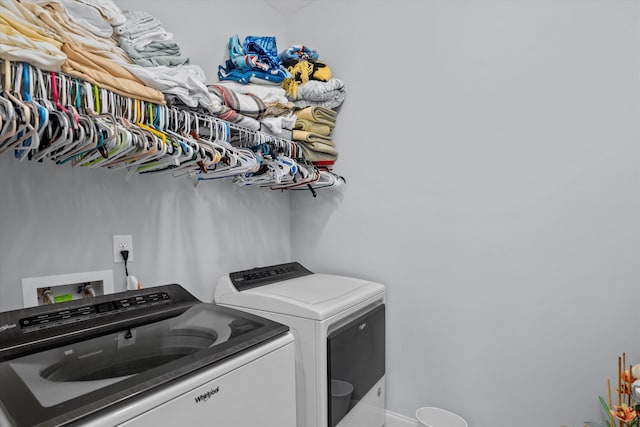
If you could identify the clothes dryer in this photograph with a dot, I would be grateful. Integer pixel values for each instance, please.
(150, 357)
(339, 328)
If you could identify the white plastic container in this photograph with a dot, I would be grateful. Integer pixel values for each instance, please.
(340, 399)
(437, 417)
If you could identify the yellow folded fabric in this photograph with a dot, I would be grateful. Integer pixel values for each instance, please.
(308, 125)
(25, 23)
(301, 135)
(108, 74)
(317, 114)
(15, 46)
(318, 156)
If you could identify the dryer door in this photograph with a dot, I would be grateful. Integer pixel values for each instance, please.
(355, 361)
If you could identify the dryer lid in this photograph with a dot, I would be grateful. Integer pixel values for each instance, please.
(314, 296)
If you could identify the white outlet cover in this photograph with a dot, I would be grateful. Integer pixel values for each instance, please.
(120, 242)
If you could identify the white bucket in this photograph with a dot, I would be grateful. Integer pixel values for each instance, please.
(437, 417)
(340, 399)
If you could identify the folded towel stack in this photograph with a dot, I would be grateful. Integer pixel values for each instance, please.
(156, 59)
(144, 38)
(312, 131)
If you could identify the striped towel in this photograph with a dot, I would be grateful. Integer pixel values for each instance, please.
(246, 104)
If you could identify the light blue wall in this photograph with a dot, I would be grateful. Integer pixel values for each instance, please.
(57, 220)
(491, 154)
(492, 157)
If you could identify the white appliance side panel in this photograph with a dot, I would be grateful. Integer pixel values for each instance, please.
(281, 349)
(306, 344)
(260, 394)
(369, 411)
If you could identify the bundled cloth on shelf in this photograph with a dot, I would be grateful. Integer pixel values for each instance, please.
(144, 38)
(320, 115)
(278, 126)
(107, 8)
(159, 63)
(232, 116)
(301, 73)
(245, 104)
(88, 16)
(312, 131)
(185, 82)
(311, 81)
(156, 53)
(311, 137)
(275, 101)
(85, 55)
(54, 16)
(107, 74)
(330, 94)
(256, 61)
(269, 94)
(311, 126)
(322, 155)
(237, 108)
(298, 52)
(23, 39)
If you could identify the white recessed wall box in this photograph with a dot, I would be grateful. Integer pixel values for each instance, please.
(66, 287)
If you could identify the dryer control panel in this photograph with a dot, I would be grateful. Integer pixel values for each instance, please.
(260, 276)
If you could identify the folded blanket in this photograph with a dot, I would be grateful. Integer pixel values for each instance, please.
(87, 17)
(311, 126)
(246, 104)
(107, 74)
(319, 115)
(267, 93)
(184, 81)
(229, 115)
(310, 137)
(153, 55)
(107, 8)
(326, 157)
(329, 94)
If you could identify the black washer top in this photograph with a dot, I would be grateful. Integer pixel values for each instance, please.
(133, 341)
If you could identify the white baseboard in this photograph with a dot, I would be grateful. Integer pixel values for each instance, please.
(397, 420)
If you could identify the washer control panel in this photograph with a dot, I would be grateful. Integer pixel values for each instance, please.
(78, 314)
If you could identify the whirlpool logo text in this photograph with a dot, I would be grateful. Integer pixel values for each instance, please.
(205, 396)
(5, 327)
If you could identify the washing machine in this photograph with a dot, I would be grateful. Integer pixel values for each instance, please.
(149, 357)
(339, 328)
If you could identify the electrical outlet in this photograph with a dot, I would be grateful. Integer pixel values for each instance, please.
(121, 243)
